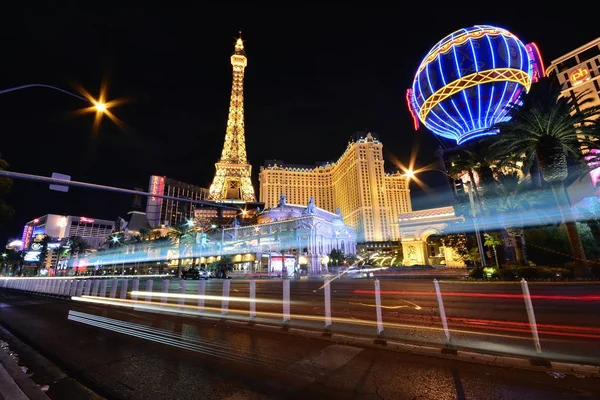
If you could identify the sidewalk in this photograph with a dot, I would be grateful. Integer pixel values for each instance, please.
(15, 384)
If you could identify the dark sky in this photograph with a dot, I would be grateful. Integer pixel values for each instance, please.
(315, 75)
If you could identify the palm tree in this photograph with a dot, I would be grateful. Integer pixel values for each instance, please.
(184, 238)
(548, 128)
(44, 251)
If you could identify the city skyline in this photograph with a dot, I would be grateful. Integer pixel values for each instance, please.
(292, 99)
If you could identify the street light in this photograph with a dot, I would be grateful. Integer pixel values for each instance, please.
(100, 106)
(411, 174)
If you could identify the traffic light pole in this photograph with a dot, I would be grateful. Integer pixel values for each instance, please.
(476, 224)
(86, 185)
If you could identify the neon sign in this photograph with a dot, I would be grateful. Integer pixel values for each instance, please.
(26, 238)
(157, 186)
(86, 220)
(579, 76)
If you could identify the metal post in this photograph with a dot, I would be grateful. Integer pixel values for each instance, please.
(135, 288)
(531, 315)
(124, 284)
(103, 288)
(252, 299)
(79, 291)
(225, 300)
(149, 284)
(440, 301)
(95, 287)
(378, 309)
(113, 288)
(86, 288)
(476, 225)
(327, 293)
(181, 300)
(286, 301)
(201, 294)
(165, 289)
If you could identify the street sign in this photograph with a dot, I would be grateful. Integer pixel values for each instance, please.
(60, 188)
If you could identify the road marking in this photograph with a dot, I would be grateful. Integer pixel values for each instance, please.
(416, 306)
(373, 305)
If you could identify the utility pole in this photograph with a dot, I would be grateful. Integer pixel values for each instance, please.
(471, 187)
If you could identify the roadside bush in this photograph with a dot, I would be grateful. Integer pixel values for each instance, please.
(476, 273)
(506, 274)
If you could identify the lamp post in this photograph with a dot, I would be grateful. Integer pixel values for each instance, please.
(99, 106)
(410, 173)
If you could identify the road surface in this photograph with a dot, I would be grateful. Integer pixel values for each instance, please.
(125, 354)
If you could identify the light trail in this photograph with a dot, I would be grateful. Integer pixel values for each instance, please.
(242, 314)
(206, 297)
(483, 295)
(86, 277)
(185, 342)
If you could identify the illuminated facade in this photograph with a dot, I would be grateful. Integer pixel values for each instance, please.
(578, 72)
(463, 85)
(232, 179)
(369, 199)
(420, 231)
(287, 238)
(59, 228)
(169, 212)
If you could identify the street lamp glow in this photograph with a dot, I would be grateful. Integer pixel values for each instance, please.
(115, 239)
(190, 223)
(100, 107)
(409, 173)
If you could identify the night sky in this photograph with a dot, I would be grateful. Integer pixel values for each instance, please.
(315, 75)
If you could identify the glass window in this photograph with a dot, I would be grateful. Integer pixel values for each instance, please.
(568, 63)
(589, 53)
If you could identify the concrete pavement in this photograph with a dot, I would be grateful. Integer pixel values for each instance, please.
(124, 354)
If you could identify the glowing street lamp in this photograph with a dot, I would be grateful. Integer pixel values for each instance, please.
(99, 106)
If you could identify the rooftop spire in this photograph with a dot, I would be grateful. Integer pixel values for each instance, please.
(239, 44)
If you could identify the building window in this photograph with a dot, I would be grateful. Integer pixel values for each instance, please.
(588, 54)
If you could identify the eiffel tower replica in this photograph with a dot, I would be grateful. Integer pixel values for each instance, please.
(232, 178)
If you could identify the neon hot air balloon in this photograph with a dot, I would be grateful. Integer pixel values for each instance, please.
(463, 85)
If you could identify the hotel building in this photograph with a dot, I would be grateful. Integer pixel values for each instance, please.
(369, 200)
(59, 228)
(577, 72)
(169, 212)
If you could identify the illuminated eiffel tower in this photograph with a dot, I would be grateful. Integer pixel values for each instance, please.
(232, 179)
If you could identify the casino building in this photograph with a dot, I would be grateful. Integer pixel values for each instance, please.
(577, 72)
(369, 199)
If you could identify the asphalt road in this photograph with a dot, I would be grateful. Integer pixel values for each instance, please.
(486, 316)
(125, 354)
(489, 317)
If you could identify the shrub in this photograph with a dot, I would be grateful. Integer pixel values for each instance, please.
(476, 273)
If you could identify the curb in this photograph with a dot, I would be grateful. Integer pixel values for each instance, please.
(16, 384)
(45, 372)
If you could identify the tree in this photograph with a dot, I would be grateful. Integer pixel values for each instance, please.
(77, 245)
(184, 238)
(6, 211)
(43, 252)
(551, 129)
(221, 266)
(492, 240)
(336, 257)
